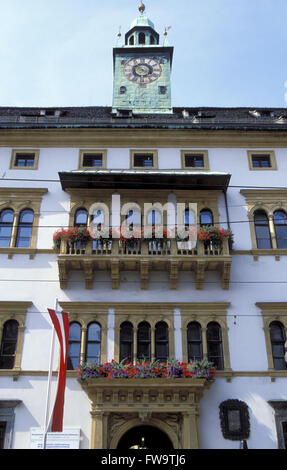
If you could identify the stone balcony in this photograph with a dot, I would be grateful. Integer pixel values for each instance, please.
(144, 256)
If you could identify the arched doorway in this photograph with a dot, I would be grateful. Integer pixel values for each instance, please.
(145, 437)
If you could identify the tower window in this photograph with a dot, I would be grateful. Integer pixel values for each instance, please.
(123, 90)
(141, 38)
(152, 40)
(131, 41)
(162, 90)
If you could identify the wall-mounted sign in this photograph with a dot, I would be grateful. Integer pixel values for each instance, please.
(68, 439)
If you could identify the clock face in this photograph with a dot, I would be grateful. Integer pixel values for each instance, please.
(142, 70)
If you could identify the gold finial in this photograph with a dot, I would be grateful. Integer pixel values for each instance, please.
(119, 33)
(141, 8)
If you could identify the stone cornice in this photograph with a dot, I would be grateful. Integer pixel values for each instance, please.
(125, 307)
(174, 138)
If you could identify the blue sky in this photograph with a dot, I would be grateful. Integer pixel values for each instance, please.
(227, 52)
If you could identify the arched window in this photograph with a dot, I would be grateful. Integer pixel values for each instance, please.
(131, 41)
(154, 217)
(141, 38)
(74, 345)
(98, 219)
(206, 217)
(189, 218)
(143, 341)
(194, 342)
(280, 224)
(262, 230)
(93, 346)
(81, 218)
(9, 344)
(133, 219)
(126, 342)
(6, 225)
(278, 338)
(214, 345)
(161, 342)
(152, 41)
(25, 227)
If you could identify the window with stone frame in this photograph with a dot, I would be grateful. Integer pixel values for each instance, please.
(24, 159)
(195, 159)
(267, 214)
(280, 408)
(12, 325)
(8, 344)
(261, 160)
(7, 419)
(205, 333)
(274, 315)
(19, 217)
(87, 335)
(92, 159)
(147, 159)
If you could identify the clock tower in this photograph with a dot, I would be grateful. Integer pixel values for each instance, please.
(142, 69)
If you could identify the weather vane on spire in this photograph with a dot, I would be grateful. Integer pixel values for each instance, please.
(166, 29)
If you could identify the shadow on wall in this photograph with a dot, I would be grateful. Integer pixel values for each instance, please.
(262, 422)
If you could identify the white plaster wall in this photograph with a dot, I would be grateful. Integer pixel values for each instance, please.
(255, 392)
(251, 281)
(32, 391)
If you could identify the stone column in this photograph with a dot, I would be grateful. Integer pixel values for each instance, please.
(204, 342)
(135, 345)
(83, 344)
(111, 335)
(177, 335)
(152, 337)
(190, 430)
(99, 430)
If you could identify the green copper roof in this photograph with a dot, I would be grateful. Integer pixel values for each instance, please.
(142, 21)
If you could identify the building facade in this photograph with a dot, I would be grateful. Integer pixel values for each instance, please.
(167, 299)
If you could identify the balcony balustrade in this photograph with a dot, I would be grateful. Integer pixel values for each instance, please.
(144, 256)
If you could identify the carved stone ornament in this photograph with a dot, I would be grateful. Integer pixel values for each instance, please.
(234, 420)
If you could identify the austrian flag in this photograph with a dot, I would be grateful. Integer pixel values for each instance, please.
(60, 321)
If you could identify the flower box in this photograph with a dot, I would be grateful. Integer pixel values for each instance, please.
(172, 369)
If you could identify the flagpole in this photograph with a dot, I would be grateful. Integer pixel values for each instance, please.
(50, 373)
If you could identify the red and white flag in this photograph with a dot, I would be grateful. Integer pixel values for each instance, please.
(60, 321)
